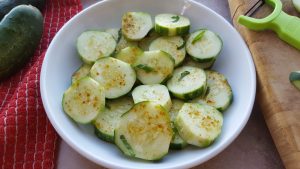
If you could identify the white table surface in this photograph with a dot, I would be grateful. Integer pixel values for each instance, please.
(253, 149)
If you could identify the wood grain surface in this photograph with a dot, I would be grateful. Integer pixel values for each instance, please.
(277, 98)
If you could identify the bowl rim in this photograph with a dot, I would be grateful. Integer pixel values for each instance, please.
(108, 164)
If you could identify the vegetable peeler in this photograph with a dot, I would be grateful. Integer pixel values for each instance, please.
(286, 26)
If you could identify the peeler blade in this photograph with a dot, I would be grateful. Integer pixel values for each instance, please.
(255, 8)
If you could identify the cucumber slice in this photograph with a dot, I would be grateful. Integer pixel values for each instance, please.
(84, 100)
(175, 46)
(187, 82)
(92, 45)
(219, 93)
(136, 25)
(177, 142)
(117, 77)
(172, 24)
(83, 71)
(191, 62)
(107, 121)
(204, 45)
(124, 43)
(145, 42)
(144, 132)
(115, 32)
(297, 4)
(295, 79)
(129, 54)
(199, 124)
(154, 67)
(156, 93)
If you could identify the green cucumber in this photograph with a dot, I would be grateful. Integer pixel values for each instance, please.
(20, 33)
(83, 71)
(93, 45)
(7, 5)
(187, 82)
(204, 46)
(107, 121)
(115, 33)
(191, 62)
(295, 79)
(172, 25)
(129, 54)
(144, 132)
(199, 124)
(136, 25)
(84, 100)
(175, 46)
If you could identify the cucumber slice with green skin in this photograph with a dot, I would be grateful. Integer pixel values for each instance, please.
(129, 54)
(199, 124)
(124, 43)
(154, 67)
(175, 46)
(84, 100)
(144, 132)
(187, 82)
(172, 25)
(93, 45)
(219, 93)
(136, 25)
(107, 121)
(117, 77)
(191, 62)
(204, 45)
(145, 42)
(156, 93)
(82, 72)
(177, 142)
(115, 32)
(295, 79)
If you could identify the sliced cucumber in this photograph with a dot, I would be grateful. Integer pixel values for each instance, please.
(175, 46)
(145, 42)
(296, 4)
(92, 45)
(199, 124)
(129, 54)
(172, 24)
(191, 62)
(136, 25)
(295, 79)
(107, 121)
(144, 132)
(204, 45)
(177, 142)
(219, 93)
(154, 67)
(124, 43)
(115, 32)
(84, 100)
(187, 82)
(156, 93)
(83, 71)
(117, 77)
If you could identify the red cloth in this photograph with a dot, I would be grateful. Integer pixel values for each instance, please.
(27, 139)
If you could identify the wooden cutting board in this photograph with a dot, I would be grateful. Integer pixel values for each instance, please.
(278, 99)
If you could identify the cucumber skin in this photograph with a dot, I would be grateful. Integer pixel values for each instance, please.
(191, 95)
(103, 136)
(295, 79)
(174, 146)
(8, 5)
(20, 33)
(165, 31)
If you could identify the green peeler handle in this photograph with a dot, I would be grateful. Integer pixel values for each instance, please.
(286, 26)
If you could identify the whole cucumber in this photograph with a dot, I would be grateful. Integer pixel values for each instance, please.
(20, 33)
(7, 5)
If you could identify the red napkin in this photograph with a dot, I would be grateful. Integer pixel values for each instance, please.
(27, 139)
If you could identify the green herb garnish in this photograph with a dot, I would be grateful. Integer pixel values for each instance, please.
(145, 68)
(127, 145)
(198, 37)
(181, 46)
(183, 74)
(176, 18)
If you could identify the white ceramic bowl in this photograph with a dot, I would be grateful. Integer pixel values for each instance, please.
(61, 61)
